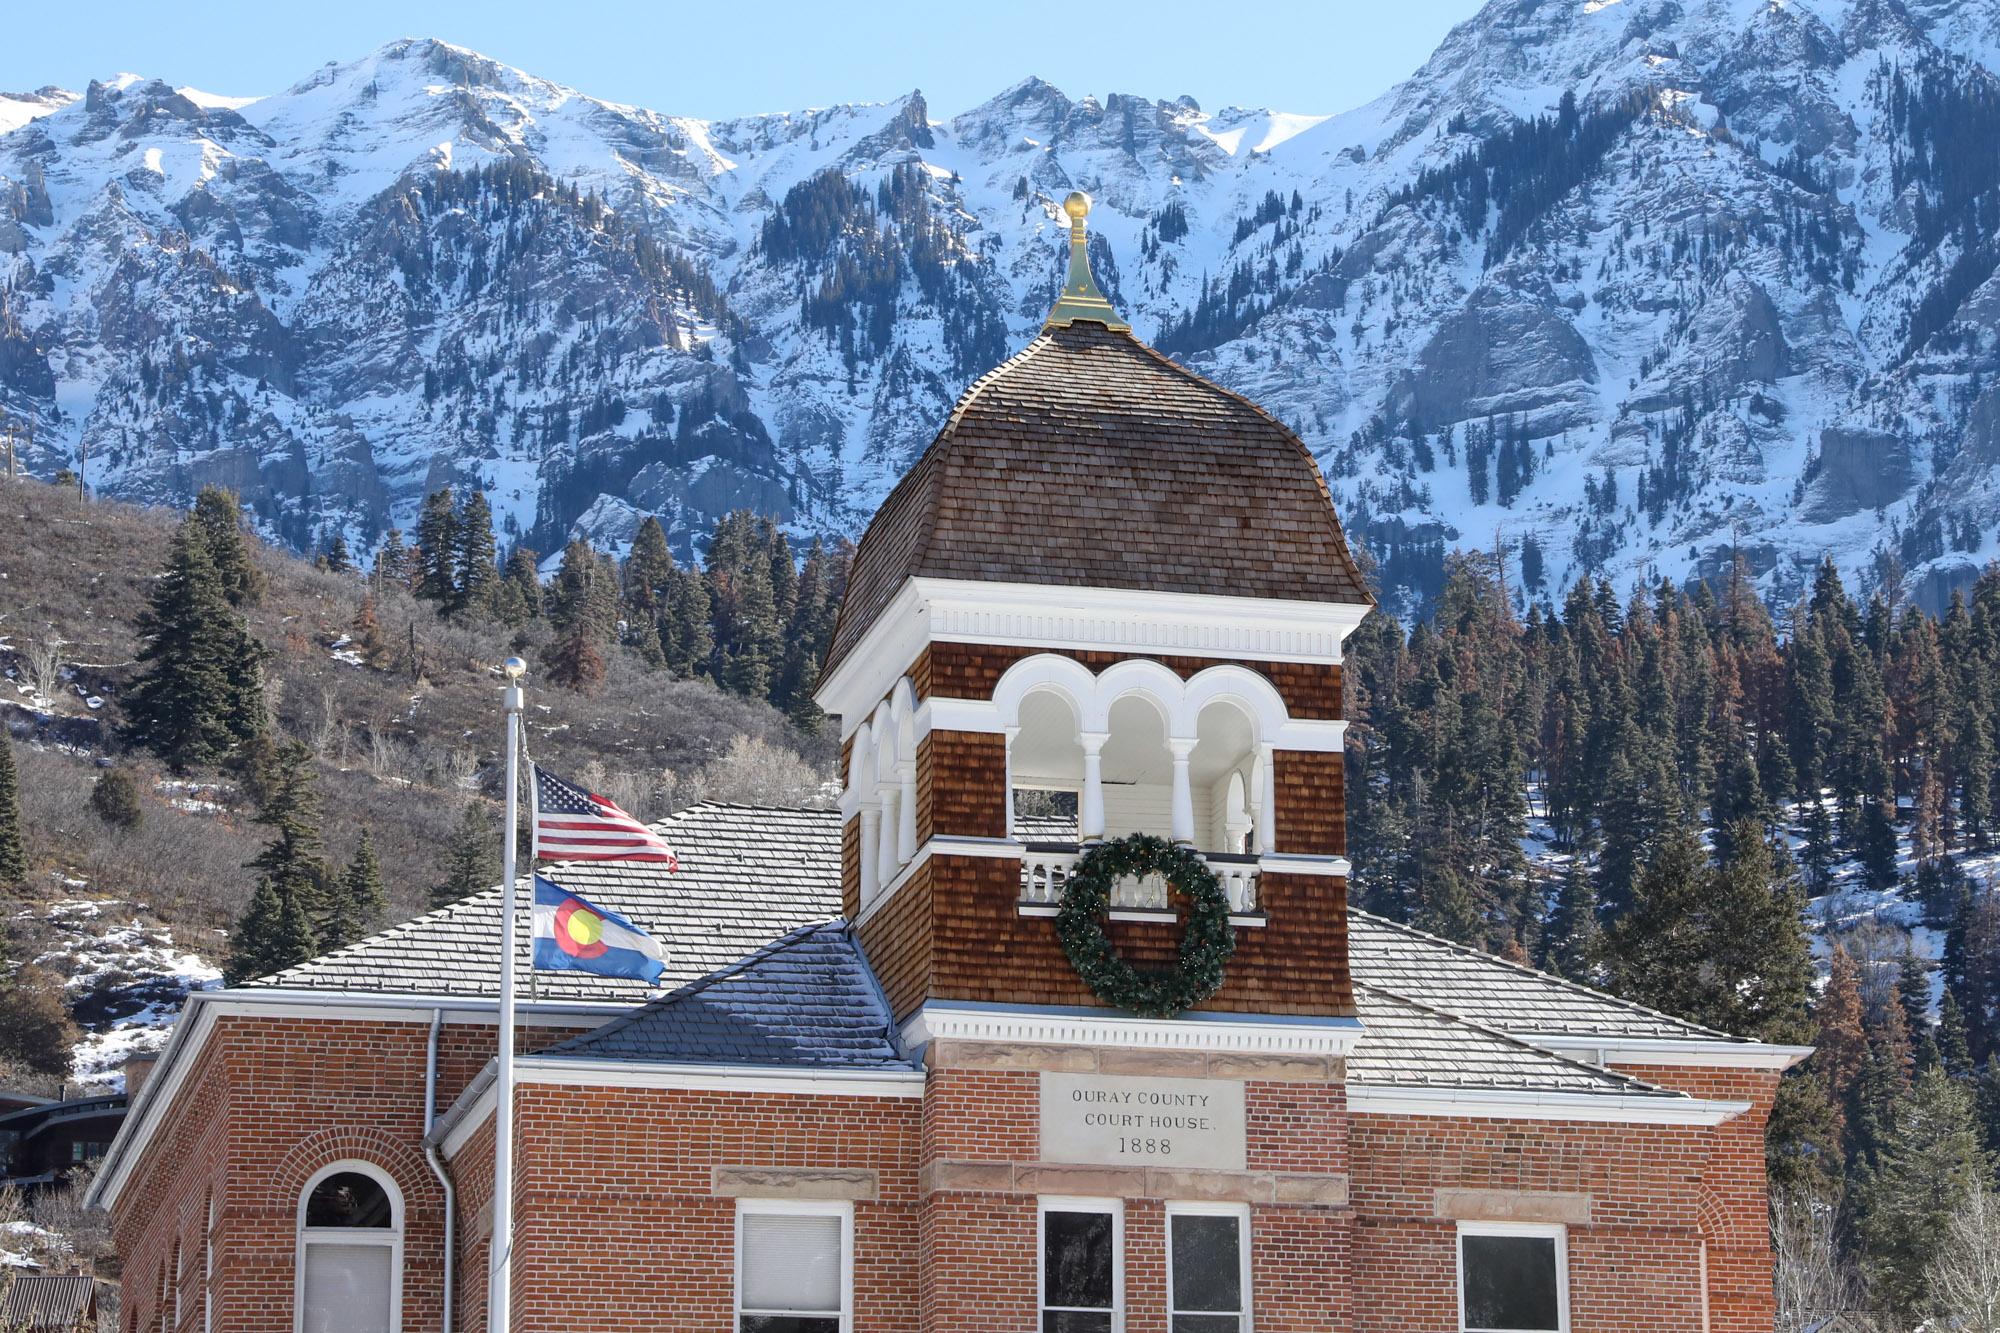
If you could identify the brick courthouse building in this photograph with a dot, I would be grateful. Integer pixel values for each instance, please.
(1109, 599)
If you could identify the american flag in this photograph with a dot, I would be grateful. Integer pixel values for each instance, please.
(572, 824)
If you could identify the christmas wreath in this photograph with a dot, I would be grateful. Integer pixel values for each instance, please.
(1206, 941)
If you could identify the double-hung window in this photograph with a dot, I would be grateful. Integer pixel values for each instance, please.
(794, 1267)
(1512, 1278)
(1208, 1268)
(1082, 1276)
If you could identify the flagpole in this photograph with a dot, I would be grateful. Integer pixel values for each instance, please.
(500, 1259)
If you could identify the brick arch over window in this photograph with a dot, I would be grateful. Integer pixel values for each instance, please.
(1715, 1222)
(351, 1142)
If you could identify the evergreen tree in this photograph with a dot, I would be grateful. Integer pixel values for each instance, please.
(272, 934)
(518, 598)
(13, 842)
(359, 902)
(1841, 1046)
(392, 560)
(470, 862)
(1929, 1160)
(1571, 944)
(200, 690)
(649, 571)
(583, 608)
(217, 514)
(339, 560)
(115, 800)
(474, 555)
(437, 549)
(279, 928)
(687, 639)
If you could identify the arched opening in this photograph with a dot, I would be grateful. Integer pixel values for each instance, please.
(350, 1257)
(1138, 769)
(1045, 770)
(1219, 772)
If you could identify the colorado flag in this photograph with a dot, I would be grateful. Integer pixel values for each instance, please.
(572, 935)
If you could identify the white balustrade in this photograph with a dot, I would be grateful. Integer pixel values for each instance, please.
(1045, 873)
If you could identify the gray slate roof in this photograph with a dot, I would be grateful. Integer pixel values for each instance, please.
(1436, 1013)
(747, 875)
(805, 1000)
(1409, 1045)
(1472, 984)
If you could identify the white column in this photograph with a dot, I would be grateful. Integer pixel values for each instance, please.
(1267, 802)
(906, 813)
(1183, 792)
(1090, 805)
(885, 839)
(1007, 815)
(871, 883)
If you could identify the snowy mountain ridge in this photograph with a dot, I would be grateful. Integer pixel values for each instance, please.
(1627, 286)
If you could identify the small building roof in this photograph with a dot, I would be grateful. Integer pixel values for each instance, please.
(806, 1000)
(45, 1302)
(1091, 460)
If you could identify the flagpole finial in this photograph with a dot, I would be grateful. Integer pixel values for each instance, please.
(514, 667)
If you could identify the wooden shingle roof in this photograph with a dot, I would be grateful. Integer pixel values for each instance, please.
(1090, 460)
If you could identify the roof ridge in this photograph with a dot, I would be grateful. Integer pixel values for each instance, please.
(1597, 1071)
(1565, 983)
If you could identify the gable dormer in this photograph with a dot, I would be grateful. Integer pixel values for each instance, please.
(1109, 598)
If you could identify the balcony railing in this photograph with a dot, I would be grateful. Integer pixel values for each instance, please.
(1046, 868)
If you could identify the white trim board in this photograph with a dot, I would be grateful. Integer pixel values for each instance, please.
(1237, 1034)
(1120, 620)
(1668, 1051)
(1504, 1104)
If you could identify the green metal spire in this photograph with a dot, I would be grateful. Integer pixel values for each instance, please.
(1080, 298)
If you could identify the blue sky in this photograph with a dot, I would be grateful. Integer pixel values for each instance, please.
(735, 57)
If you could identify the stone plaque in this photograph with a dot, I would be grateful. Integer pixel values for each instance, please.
(1118, 1120)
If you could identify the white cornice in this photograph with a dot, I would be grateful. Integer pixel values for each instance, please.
(1242, 1034)
(1501, 1104)
(1118, 620)
(1668, 1051)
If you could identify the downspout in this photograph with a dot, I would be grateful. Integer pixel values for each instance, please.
(437, 1162)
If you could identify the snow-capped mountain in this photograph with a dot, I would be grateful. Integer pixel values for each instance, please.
(1626, 285)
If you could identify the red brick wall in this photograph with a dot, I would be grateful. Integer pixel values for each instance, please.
(1635, 1265)
(619, 1225)
(268, 1103)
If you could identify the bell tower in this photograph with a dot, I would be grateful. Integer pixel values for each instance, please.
(1108, 599)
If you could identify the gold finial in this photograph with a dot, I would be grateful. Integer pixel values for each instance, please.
(1080, 297)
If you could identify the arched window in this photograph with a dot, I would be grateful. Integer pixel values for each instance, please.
(350, 1264)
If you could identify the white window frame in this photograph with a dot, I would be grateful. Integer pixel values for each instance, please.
(390, 1236)
(1239, 1211)
(1063, 1203)
(1531, 1230)
(795, 1208)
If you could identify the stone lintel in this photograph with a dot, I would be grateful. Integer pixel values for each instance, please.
(1037, 1057)
(793, 1182)
(1460, 1205)
(1287, 1189)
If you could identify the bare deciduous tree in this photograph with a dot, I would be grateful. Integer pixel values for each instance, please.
(1964, 1275)
(41, 665)
(1814, 1281)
